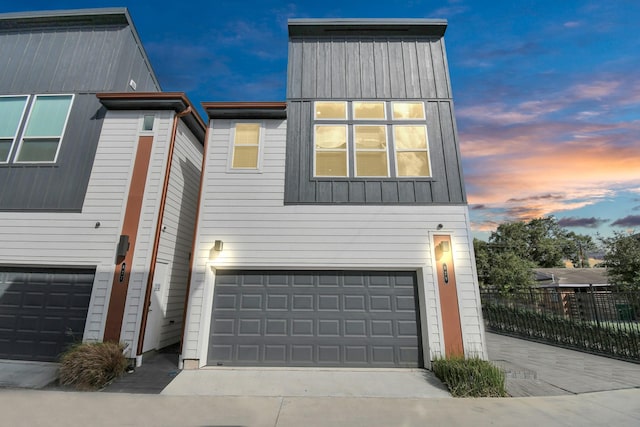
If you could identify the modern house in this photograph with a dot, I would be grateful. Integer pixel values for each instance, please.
(333, 228)
(99, 175)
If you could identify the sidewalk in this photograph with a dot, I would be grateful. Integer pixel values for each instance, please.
(55, 408)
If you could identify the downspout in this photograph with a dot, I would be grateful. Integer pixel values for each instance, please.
(193, 241)
(156, 241)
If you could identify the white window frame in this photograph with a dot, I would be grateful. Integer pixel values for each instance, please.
(60, 138)
(20, 125)
(389, 122)
(231, 151)
(367, 150)
(412, 150)
(346, 149)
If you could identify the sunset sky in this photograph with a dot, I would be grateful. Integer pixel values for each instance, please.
(547, 93)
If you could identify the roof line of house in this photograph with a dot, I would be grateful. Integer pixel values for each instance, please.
(107, 15)
(245, 110)
(348, 26)
(176, 101)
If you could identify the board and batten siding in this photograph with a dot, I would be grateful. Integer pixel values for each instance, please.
(381, 67)
(74, 59)
(445, 186)
(247, 212)
(141, 262)
(177, 233)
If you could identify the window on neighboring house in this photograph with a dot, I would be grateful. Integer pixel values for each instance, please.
(11, 112)
(246, 146)
(44, 129)
(381, 147)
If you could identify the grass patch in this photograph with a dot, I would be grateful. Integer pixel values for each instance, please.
(470, 377)
(91, 366)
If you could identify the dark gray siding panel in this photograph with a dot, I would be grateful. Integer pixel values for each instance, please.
(315, 318)
(445, 186)
(368, 68)
(46, 60)
(61, 186)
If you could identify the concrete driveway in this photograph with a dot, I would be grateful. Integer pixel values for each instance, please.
(534, 369)
(308, 382)
(24, 374)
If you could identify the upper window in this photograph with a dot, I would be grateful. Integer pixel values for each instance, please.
(246, 146)
(379, 147)
(11, 112)
(36, 129)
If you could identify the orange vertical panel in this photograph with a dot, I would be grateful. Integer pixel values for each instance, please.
(448, 296)
(130, 228)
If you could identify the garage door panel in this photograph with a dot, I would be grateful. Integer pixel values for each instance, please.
(325, 318)
(42, 310)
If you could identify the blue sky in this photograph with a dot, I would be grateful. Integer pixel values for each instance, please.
(547, 93)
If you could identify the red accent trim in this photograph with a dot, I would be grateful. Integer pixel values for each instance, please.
(129, 227)
(451, 326)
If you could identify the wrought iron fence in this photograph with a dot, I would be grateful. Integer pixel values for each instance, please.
(600, 320)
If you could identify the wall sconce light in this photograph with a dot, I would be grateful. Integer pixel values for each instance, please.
(216, 249)
(444, 246)
(439, 227)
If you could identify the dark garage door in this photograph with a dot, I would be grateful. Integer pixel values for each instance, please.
(42, 311)
(315, 318)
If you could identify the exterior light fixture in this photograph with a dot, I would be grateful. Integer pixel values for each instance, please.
(216, 249)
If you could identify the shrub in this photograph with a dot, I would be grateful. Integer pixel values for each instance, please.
(91, 366)
(470, 377)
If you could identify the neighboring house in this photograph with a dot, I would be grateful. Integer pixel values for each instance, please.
(579, 293)
(99, 187)
(333, 229)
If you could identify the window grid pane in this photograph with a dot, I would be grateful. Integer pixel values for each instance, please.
(408, 110)
(368, 111)
(330, 147)
(5, 147)
(330, 110)
(38, 150)
(371, 151)
(48, 116)
(247, 134)
(11, 110)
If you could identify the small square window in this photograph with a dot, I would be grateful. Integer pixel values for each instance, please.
(147, 123)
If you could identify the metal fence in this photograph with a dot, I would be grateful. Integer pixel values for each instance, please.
(600, 320)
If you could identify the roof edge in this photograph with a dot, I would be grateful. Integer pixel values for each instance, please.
(367, 26)
(246, 110)
(176, 101)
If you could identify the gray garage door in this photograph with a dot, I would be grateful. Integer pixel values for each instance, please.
(42, 311)
(315, 318)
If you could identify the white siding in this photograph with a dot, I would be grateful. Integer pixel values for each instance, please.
(147, 225)
(177, 229)
(246, 211)
(74, 239)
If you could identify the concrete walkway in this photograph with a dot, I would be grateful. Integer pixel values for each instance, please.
(56, 408)
(534, 369)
